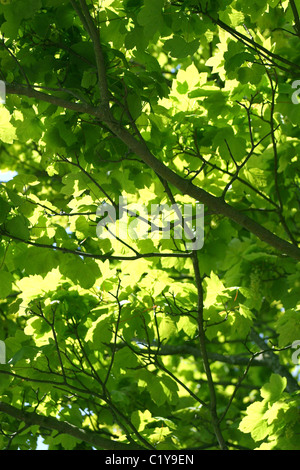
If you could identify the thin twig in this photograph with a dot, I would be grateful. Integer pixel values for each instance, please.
(202, 341)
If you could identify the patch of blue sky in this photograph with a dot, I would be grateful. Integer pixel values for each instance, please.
(6, 176)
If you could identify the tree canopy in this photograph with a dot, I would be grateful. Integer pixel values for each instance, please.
(118, 338)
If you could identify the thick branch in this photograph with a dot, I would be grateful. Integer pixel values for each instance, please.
(99, 56)
(296, 16)
(31, 418)
(218, 205)
(17, 89)
(234, 359)
(188, 350)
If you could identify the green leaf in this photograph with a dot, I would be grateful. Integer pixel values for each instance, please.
(157, 392)
(179, 48)
(68, 442)
(4, 210)
(89, 79)
(246, 312)
(288, 327)
(39, 261)
(18, 227)
(140, 419)
(188, 325)
(134, 105)
(272, 391)
(4, 385)
(254, 421)
(214, 289)
(251, 74)
(150, 17)
(7, 130)
(82, 271)
(167, 328)
(101, 331)
(182, 88)
(6, 281)
(26, 352)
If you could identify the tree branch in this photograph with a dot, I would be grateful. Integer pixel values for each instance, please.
(32, 418)
(202, 341)
(17, 89)
(273, 362)
(296, 17)
(185, 349)
(254, 45)
(94, 255)
(212, 202)
(91, 29)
